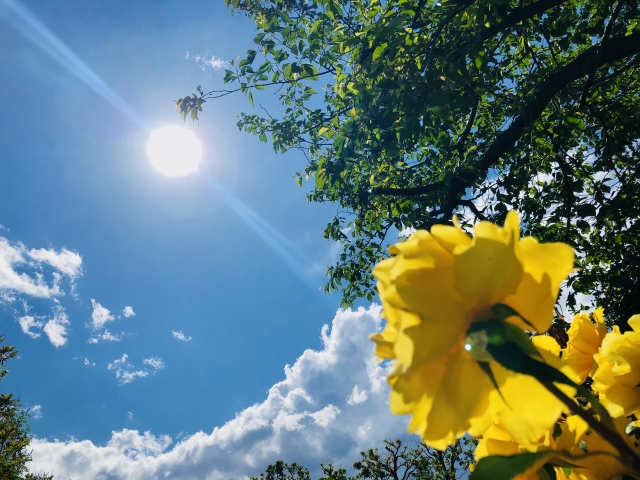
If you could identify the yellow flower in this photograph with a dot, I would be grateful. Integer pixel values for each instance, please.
(605, 465)
(618, 375)
(436, 285)
(569, 447)
(497, 441)
(585, 339)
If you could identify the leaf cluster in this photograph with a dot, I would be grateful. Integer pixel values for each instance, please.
(14, 429)
(410, 111)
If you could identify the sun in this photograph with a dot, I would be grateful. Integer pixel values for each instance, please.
(174, 151)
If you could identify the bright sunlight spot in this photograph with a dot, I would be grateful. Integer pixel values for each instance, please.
(174, 151)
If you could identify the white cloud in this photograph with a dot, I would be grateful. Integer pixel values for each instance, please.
(130, 415)
(36, 412)
(126, 373)
(155, 362)
(21, 270)
(107, 336)
(126, 376)
(86, 361)
(56, 328)
(406, 231)
(305, 418)
(202, 60)
(27, 323)
(100, 315)
(357, 396)
(128, 312)
(118, 362)
(180, 336)
(65, 261)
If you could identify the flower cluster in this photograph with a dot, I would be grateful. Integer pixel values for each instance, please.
(466, 317)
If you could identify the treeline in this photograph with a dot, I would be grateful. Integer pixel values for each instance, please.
(398, 460)
(15, 432)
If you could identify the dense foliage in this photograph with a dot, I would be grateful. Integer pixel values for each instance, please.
(397, 462)
(411, 110)
(14, 429)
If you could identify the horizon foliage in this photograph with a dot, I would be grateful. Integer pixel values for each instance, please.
(397, 461)
(409, 111)
(14, 430)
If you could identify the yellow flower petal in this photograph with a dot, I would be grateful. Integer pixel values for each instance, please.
(547, 343)
(450, 237)
(453, 406)
(489, 270)
(526, 416)
(545, 266)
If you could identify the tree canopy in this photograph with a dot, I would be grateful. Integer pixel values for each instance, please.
(410, 111)
(14, 429)
(397, 461)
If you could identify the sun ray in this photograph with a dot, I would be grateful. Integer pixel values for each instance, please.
(21, 19)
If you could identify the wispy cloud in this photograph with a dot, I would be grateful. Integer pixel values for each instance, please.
(100, 315)
(86, 361)
(126, 372)
(56, 328)
(305, 418)
(27, 323)
(203, 61)
(36, 412)
(180, 336)
(22, 272)
(107, 336)
(128, 312)
(155, 362)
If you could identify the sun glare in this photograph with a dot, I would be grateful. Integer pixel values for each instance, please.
(174, 151)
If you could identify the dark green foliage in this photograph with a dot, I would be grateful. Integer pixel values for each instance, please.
(14, 429)
(396, 462)
(409, 111)
(284, 471)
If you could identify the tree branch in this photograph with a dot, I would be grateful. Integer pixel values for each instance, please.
(593, 58)
(518, 15)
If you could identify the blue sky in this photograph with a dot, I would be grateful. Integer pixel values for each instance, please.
(89, 228)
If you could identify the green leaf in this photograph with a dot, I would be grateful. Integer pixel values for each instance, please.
(502, 467)
(378, 51)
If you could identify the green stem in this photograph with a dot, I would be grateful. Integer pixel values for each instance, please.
(629, 457)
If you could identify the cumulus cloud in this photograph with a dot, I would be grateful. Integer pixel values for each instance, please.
(204, 61)
(21, 270)
(128, 312)
(27, 323)
(36, 412)
(100, 315)
(180, 336)
(357, 396)
(305, 418)
(56, 328)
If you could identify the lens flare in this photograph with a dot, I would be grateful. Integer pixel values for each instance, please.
(21, 19)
